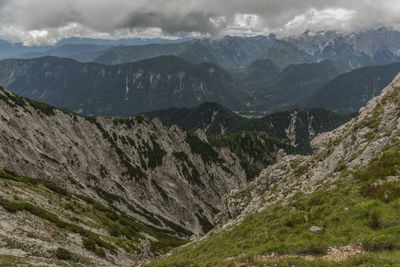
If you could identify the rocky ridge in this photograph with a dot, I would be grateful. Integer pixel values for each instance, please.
(167, 179)
(349, 147)
(137, 159)
(335, 207)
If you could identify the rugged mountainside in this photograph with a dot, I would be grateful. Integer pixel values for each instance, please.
(266, 75)
(337, 207)
(43, 224)
(333, 46)
(346, 51)
(230, 52)
(294, 51)
(296, 127)
(166, 178)
(249, 59)
(157, 83)
(120, 90)
(261, 58)
(167, 81)
(283, 54)
(378, 46)
(373, 42)
(234, 52)
(136, 158)
(144, 187)
(349, 92)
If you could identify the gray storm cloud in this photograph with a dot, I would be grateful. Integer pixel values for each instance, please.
(41, 21)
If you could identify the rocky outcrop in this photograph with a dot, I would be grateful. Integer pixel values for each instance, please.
(346, 148)
(162, 176)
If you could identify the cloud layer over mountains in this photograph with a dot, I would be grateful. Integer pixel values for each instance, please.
(45, 21)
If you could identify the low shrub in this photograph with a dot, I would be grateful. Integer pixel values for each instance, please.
(63, 254)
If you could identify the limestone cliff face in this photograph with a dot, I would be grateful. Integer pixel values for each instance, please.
(167, 174)
(347, 148)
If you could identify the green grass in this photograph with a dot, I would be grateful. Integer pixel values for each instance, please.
(381, 258)
(14, 206)
(347, 214)
(63, 254)
(9, 260)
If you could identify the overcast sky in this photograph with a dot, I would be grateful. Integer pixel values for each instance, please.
(36, 22)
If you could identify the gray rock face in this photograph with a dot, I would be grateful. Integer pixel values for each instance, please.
(141, 163)
(352, 145)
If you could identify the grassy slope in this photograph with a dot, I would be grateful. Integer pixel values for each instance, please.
(103, 230)
(353, 206)
(349, 213)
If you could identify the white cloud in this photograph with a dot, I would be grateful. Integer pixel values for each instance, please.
(45, 21)
(314, 20)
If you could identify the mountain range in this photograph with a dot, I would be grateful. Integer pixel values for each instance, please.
(230, 52)
(168, 81)
(296, 127)
(121, 90)
(239, 151)
(260, 58)
(95, 190)
(252, 75)
(249, 59)
(67, 47)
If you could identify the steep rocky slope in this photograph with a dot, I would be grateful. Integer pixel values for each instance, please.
(139, 160)
(168, 179)
(43, 224)
(351, 147)
(145, 187)
(337, 207)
